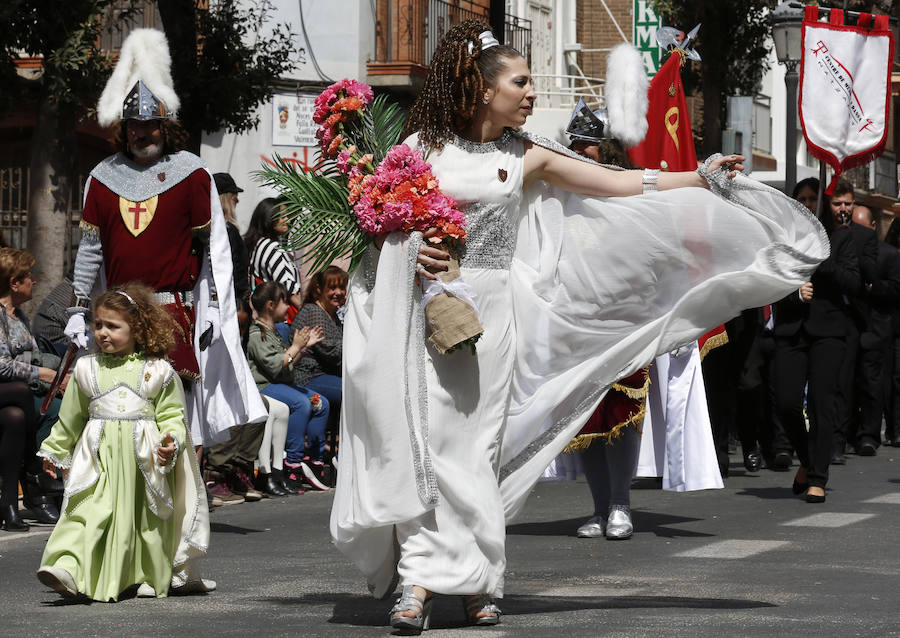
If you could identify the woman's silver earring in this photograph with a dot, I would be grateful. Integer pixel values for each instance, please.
(484, 100)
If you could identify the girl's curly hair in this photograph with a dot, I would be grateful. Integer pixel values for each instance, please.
(455, 83)
(151, 326)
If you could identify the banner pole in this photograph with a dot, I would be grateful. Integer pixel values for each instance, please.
(820, 212)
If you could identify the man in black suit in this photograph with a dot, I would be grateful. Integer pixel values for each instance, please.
(879, 297)
(865, 245)
(810, 341)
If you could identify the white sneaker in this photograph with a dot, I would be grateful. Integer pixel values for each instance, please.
(199, 586)
(146, 591)
(59, 580)
(592, 528)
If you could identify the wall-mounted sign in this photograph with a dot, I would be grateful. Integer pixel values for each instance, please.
(646, 24)
(292, 123)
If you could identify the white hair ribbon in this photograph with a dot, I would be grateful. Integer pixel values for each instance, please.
(487, 41)
(127, 296)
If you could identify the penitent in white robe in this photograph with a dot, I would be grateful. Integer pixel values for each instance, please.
(574, 293)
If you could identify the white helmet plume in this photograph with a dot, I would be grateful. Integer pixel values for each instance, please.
(626, 95)
(144, 57)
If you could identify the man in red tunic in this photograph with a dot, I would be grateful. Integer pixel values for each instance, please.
(152, 214)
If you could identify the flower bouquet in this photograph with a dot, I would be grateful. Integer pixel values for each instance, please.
(365, 186)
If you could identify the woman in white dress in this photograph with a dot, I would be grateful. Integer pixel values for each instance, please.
(574, 293)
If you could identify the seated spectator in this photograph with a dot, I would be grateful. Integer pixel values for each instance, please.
(268, 260)
(51, 318)
(22, 361)
(272, 362)
(320, 371)
(17, 448)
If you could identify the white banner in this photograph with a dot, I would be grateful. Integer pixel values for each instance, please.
(845, 81)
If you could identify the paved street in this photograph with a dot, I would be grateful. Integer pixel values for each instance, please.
(749, 560)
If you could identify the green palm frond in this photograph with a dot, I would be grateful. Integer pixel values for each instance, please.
(321, 221)
(379, 127)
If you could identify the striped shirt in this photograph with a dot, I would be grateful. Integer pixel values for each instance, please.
(270, 262)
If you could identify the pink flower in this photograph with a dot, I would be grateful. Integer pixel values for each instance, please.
(343, 162)
(402, 195)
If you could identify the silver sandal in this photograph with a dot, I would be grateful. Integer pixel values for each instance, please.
(409, 601)
(481, 604)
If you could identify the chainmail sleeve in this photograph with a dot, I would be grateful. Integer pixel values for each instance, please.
(87, 263)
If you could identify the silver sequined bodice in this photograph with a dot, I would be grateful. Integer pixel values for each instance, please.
(486, 181)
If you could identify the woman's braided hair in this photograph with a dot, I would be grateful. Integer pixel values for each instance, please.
(455, 83)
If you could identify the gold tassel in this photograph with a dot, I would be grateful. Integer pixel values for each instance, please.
(583, 441)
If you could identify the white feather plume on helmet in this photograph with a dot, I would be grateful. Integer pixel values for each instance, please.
(145, 59)
(626, 95)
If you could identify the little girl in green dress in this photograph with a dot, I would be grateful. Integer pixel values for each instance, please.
(135, 510)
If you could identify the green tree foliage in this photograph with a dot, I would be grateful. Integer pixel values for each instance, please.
(224, 61)
(733, 42)
(65, 37)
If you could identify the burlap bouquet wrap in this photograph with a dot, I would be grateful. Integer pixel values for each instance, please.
(452, 321)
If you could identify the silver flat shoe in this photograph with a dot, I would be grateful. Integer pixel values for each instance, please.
(409, 601)
(592, 528)
(618, 524)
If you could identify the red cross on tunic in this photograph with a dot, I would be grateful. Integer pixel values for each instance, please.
(137, 209)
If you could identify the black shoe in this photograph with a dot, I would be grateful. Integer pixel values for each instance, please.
(782, 462)
(866, 449)
(851, 449)
(815, 498)
(290, 481)
(838, 459)
(753, 460)
(895, 443)
(42, 506)
(267, 484)
(10, 519)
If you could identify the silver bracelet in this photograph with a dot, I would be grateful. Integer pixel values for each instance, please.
(649, 179)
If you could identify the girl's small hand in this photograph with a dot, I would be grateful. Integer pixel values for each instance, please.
(316, 335)
(166, 449)
(50, 469)
(301, 337)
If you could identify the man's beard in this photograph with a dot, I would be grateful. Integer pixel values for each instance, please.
(151, 151)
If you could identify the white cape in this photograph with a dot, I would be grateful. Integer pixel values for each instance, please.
(600, 287)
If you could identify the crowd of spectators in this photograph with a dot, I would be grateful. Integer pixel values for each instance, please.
(293, 344)
(814, 376)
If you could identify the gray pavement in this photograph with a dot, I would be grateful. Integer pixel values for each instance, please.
(749, 560)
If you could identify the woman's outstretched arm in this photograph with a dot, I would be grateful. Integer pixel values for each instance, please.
(589, 179)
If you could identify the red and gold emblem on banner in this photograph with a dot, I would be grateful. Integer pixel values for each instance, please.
(137, 215)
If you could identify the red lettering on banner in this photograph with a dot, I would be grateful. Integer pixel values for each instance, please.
(820, 48)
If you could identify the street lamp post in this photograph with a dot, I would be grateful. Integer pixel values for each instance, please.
(786, 20)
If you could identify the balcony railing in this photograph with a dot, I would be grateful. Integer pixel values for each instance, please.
(407, 33)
